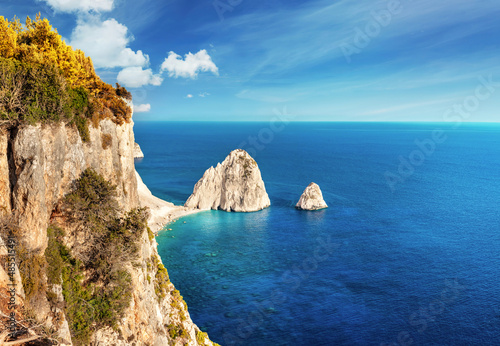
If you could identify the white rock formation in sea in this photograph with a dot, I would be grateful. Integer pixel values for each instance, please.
(234, 185)
(138, 154)
(311, 199)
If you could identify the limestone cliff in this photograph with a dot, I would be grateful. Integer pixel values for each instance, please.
(138, 154)
(311, 198)
(233, 185)
(38, 166)
(43, 160)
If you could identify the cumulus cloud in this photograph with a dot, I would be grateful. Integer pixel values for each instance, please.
(203, 94)
(106, 43)
(136, 77)
(142, 108)
(189, 96)
(80, 5)
(190, 66)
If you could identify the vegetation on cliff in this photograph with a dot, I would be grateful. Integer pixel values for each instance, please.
(96, 284)
(90, 259)
(43, 79)
(32, 267)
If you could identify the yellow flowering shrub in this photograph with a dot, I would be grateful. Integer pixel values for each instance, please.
(37, 43)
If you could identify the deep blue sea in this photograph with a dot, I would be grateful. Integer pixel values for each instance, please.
(408, 252)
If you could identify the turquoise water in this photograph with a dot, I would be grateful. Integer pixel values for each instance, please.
(407, 260)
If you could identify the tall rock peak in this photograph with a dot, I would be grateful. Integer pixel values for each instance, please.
(233, 185)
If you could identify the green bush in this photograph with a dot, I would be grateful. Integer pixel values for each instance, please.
(176, 331)
(162, 279)
(135, 220)
(93, 303)
(54, 255)
(179, 303)
(111, 300)
(32, 269)
(66, 270)
(80, 110)
(35, 93)
(80, 101)
(118, 244)
(31, 264)
(82, 126)
(93, 202)
(31, 92)
(81, 314)
(96, 286)
(151, 235)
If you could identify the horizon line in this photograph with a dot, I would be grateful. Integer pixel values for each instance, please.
(323, 121)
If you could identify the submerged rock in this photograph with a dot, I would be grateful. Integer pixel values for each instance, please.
(138, 154)
(233, 185)
(311, 199)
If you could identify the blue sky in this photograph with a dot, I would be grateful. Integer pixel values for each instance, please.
(318, 60)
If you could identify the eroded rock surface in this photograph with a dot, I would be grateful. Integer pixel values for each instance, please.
(311, 198)
(233, 185)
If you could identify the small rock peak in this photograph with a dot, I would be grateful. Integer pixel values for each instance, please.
(311, 198)
(138, 154)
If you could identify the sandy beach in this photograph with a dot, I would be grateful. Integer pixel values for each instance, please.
(162, 212)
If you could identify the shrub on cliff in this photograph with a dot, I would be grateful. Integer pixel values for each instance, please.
(39, 93)
(31, 264)
(35, 51)
(122, 92)
(32, 92)
(92, 202)
(95, 280)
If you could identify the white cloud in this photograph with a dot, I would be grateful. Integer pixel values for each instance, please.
(189, 96)
(203, 94)
(106, 43)
(80, 5)
(142, 108)
(190, 66)
(136, 77)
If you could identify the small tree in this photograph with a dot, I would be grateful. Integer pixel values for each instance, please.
(93, 201)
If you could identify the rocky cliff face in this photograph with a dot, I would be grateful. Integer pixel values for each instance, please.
(151, 320)
(38, 165)
(311, 199)
(233, 185)
(43, 160)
